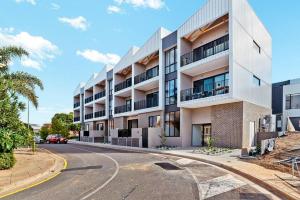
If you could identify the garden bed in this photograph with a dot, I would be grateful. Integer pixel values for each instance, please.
(213, 151)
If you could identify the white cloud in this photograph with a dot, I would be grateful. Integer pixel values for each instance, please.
(55, 6)
(7, 30)
(154, 4)
(39, 48)
(28, 62)
(98, 57)
(113, 9)
(33, 2)
(78, 22)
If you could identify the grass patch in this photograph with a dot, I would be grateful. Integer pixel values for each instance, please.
(212, 150)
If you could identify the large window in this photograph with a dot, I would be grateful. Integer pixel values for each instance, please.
(172, 124)
(170, 63)
(292, 101)
(171, 92)
(154, 121)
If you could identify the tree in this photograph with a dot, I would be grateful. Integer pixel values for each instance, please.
(62, 123)
(44, 132)
(20, 83)
(13, 132)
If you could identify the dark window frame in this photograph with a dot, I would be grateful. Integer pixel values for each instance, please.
(169, 63)
(167, 92)
(174, 114)
(152, 119)
(256, 80)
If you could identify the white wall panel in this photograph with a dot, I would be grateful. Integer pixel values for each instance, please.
(126, 60)
(212, 10)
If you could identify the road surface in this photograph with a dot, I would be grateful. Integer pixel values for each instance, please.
(104, 174)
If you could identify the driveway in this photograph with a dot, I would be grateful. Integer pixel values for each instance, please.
(97, 173)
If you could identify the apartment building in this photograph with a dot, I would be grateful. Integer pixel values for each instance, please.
(286, 105)
(210, 78)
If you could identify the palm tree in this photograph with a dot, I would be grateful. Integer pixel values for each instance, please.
(20, 83)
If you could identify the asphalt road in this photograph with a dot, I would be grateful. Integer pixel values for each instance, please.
(97, 173)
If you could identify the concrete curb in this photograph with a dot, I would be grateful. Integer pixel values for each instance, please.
(51, 172)
(261, 183)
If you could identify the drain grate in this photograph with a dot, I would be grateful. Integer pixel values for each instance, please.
(167, 166)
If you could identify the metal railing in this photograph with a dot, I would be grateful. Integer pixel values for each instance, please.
(89, 116)
(125, 84)
(209, 49)
(217, 88)
(76, 104)
(143, 104)
(122, 109)
(76, 119)
(89, 99)
(100, 95)
(100, 113)
(150, 73)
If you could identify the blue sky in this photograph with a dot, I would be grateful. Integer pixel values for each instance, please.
(70, 41)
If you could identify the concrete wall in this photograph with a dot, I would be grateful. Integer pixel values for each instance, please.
(154, 139)
(252, 113)
(143, 119)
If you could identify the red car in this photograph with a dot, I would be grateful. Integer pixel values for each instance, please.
(56, 139)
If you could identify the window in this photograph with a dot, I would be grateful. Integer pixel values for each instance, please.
(256, 81)
(100, 127)
(170, 62)
(171, 92)
(152, 100)
(257, 46)
(154, 121)
(87, 127)
(172, 124)
(292, 101)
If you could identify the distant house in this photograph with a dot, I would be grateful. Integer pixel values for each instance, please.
(36, 128)
(286, 105)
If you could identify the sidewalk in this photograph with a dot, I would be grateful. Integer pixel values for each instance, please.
(266, 178)
(30, 169)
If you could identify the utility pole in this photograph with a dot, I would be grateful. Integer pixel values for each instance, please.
(28, 114)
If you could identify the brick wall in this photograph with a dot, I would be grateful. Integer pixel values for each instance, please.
(227, 125)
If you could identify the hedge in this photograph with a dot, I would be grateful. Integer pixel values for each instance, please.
(7, 160)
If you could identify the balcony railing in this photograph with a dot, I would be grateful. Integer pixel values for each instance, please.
(100, 113)
(122, 109)
(89, 116)
(100, 95)
(217, 88)
(143, 104)
(89, 99)
(76, 104)
(209, 49)
(125, 84)
(150, 73)
(76, 119)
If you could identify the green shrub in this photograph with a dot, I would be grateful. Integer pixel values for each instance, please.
(7, 160)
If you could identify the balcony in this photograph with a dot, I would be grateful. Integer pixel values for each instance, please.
(89, 99)
(76, 104)
(209, 90)
(76, 119)
(99, 114)
(100, 95)
(143, 104)
(122, 109)
(89, 116)
(125, 84)
(150, 73)
(209, 49)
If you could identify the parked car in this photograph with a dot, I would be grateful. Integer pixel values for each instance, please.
(56, 139)
(38, 139)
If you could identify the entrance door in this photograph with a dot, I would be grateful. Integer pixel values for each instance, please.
(197, 134)
(251, 134)
(206, 134)
(132, 124)
(145, 137)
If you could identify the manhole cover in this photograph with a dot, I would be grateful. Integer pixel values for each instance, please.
(167, 166)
